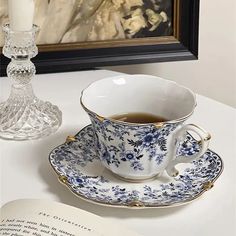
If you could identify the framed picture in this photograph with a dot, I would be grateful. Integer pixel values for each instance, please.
(85, 34)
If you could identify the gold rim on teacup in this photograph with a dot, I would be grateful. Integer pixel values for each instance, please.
(157, 124)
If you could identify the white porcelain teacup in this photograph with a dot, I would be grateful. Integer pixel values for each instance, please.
(140, 151)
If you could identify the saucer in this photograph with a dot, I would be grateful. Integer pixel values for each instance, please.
(79, 168)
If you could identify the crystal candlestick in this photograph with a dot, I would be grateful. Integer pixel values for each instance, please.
(23, 116)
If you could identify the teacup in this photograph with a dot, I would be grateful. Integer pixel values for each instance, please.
(140, 151)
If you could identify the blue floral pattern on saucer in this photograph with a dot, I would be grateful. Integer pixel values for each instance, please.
(77, 163)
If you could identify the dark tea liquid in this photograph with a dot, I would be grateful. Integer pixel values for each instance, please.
(139, 118)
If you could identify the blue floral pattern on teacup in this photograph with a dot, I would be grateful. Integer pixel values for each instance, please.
(86, 176)
(134, 146)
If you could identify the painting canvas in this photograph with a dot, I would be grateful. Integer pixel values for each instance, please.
(74, 21)
(86, 34)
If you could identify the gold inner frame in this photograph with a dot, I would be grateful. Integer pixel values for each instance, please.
(122, 42)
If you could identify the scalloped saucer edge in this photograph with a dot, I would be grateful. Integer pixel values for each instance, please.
(78, 167)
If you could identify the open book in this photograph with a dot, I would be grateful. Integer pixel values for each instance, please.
(44, 218)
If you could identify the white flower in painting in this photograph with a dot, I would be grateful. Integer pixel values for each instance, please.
(135, 22)
(154, 19)
(164, 16)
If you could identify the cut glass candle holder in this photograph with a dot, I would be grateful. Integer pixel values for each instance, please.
(23, 116)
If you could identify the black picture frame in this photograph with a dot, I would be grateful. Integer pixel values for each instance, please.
(183, 45)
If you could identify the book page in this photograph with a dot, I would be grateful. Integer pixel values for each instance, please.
(44, 218)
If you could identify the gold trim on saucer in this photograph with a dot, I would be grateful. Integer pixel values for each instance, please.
(136, 204)
(70, 139)
(208, 185)
(63, 179)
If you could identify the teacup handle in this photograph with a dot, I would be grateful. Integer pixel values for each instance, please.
(179, 136)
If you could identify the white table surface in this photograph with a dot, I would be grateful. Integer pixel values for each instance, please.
(26, 173)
